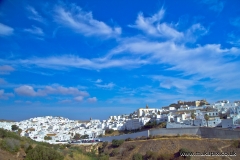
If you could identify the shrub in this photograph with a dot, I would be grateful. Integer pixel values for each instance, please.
(117, 143)
(137, 156)
(105, 144)
(10, 144)
(101, 149)
(114, 153)
(103, 157)
(129, 139)
(236, 144)
(43, 153)
(7, 134)
(47, 138)
(150, 124)
(151, 155)
(14, 127)
(184, 150)
(131, 147)
(77, 136)
(109, 131)
(143, 138)
(84, 136)
(162, 125)
(28, 149)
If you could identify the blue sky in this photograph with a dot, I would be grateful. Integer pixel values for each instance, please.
(82, 59)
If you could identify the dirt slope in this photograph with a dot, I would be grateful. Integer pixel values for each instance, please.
(172, 146)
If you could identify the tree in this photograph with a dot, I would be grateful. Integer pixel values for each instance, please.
(77, 136)
(109, 131)
(193, 116)
(85, 136)
(206, 117)
(47, 138)
(14, 127)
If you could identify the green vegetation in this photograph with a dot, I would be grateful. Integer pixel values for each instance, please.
(47, 138)
(84, 136)
(193, 116)
(10, 144)
(77, 136)
(101, 149)
(114, 153)
(41, 152)
(236, 143)
(13, 143)
(14, 127)
(131, 147)
(206, 117)
(154, 124)
(129, 139)
(109, 131)
(184, 150)
(117, 143)
(137, 156)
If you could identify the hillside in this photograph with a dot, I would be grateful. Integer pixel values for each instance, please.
(169, 147)
(14, 147)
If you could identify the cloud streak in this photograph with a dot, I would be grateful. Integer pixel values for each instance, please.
(83, 22)
(6, 69)
(5, 30)
(35, 30)
(5, 96)
(29, 91)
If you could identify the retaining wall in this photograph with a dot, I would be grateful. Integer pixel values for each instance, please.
(175, 131)
(219, 133)
(200, 131)
(125, 136)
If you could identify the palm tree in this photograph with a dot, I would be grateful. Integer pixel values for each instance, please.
(206, 117)
(193, 116)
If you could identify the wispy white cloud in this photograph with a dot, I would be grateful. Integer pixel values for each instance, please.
(34, 15)
(98, 81)
(5, 96)
(106, 86)
(235, 21)
(35, 30)
(5, 30)
(93, 99)
(208, 61)
(233, 39)
(83, 22)
(215, 5)
(170, 82)
(68, 61)
(27, 90)
(6, 69)
(154, 27)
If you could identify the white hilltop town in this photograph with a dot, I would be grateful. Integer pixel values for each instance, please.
(223, 114)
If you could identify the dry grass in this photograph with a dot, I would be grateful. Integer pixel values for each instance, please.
(171, 145)
(77, 156)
